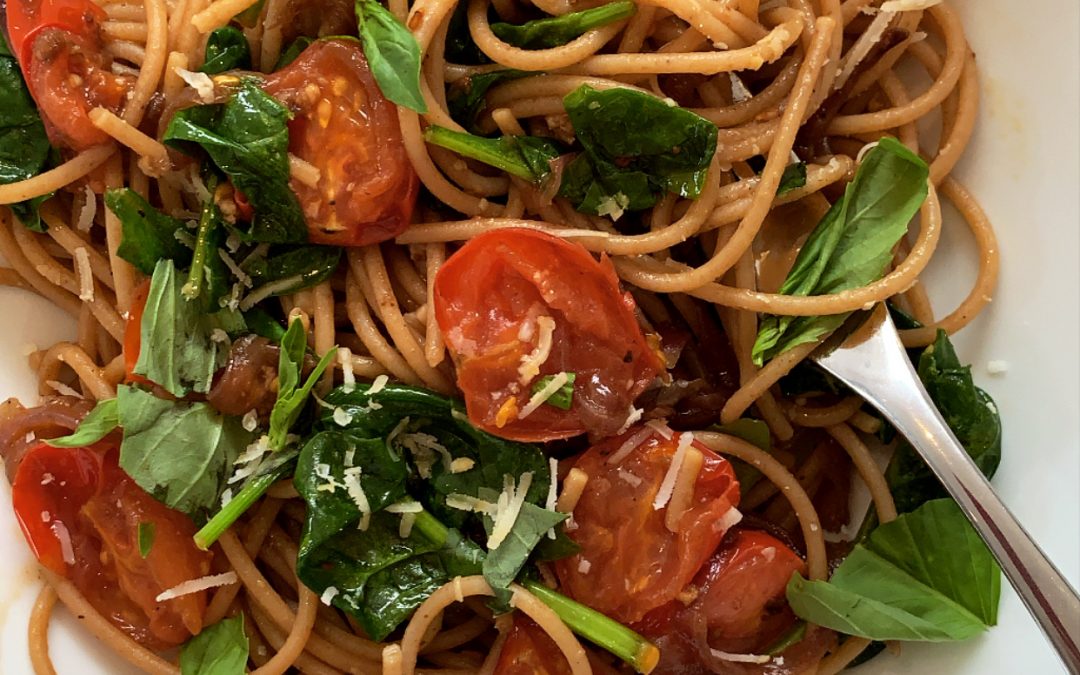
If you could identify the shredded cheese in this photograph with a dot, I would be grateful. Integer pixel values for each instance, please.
(683, 493)
(200, 82)
(667, 485)
(86, 213)
(547, 391)
(531, 362)
(631, 418)
(406, 525)
(341, 417)
(469, 503)
(741, 658)
(195, 585)
(240, 274)
(67, 551)
(629, 445)
(862, 46)
(266, 290)
(632, 479)
(405, 507)
(86, 274)
(250, 420)
(661, 427)
(462, 464)
(328, 595)
(907, 5)
(357, 495)
(378, 384)
(63, 389)
(553, 491)
(584, 566)
(508, 507)
(344, 356)
(727, 521)
(573, 486)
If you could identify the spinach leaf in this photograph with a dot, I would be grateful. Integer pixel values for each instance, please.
(291, 397)
(226, 49)
(147, 235)
(467, 98)
(636, 148)
(557, 31)
(925, 576)
(24, 146)
(98, 423)
(752, 431)
(852, 245)
(248, 139)
(393, 54)
(179, 350)
(292, 51)
(527, 157)
(181, 453)
(220, 649)
(460, 46)
(145, 536)
(291, 268)
(794, 178)
(261, 323)
(969, 412)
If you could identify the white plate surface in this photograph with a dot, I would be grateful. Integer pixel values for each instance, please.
(1025, 168)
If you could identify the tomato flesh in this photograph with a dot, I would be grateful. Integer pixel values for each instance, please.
(133, 332)
(490, 298)
(630, 563)
(528, 650)
(345, 127)
(80, 514)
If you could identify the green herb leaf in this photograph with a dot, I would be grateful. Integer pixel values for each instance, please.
(557, 31)
(563, 398)
(261, 323)
(852, 245)
(503, 564)
(292, 51)
(146, 533)
(969, 412)
(181, 453)
(794, 178)
(467, 98)
(291, 397)
(98, 423)
(220, 649)
(269, 471)
(527, 157)
(926, 576)
(292, 268)
(24, 146)
(178, 346)
(147, 235)
(226, 49)
(637, 147)
(752, 431)
(248, 139)
(393, 54)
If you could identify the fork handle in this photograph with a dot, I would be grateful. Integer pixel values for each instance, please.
(904, 402)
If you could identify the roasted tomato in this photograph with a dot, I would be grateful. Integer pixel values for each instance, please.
(60, 49)
(133, 332)
(630, 562)
(345, 128)
(528, 650)
(81, 514)
(515, 305)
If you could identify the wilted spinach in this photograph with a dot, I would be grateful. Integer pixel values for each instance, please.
(226, 49)
(527, 157)
(556, 31)
(24, 146)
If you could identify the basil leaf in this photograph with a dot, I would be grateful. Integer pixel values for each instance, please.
(24, 146)
(248, 139)
(226, 49)
(527, 157)
(181, 453)
(636, 147)
(393, 54)
(467, 97)
(147, 235)
(970, 413)
(502, 565)
(291, 397)
(852, 245)
(98, 423)
(925, 576)
(557, 31)
(146, 534)
(794, 177)
(178, 350)
(293, 51)
(563, 398)
(220, 649)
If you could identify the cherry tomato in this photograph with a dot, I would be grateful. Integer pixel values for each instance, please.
(493, 298)
(630, 563)
(61, 52)
(133, 332)
(81, 515)
(528, 650)
(344, 127)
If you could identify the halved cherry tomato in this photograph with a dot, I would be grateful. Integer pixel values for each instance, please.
(60, 49)
(133, 332)
(630, 563)
(345, 128)
(492, 298)
(528, 650)
(81, 513)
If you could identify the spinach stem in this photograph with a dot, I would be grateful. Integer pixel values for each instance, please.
(236, 507)
(193, 288)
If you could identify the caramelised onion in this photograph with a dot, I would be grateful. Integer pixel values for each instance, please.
(21, 428)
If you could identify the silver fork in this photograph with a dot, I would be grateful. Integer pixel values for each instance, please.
(872, 362)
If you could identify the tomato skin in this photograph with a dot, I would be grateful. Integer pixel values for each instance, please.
(133, 332)
(489, 297)
(634, 563)
(81, 497)
(26, 16)
(528, 650)
(346, 128)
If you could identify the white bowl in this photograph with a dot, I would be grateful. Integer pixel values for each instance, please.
(1024, 167)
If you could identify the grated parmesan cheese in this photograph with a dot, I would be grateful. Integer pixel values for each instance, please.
(741, 658)
(265, 291)
(461, 465)
(200, 82)
(553, 491)
(86, 214)
(344, 356)
(739, 92)
(45, 517)
(549, 390)
(531, 362)
(250, 420)
(661, 427)
(357, 495)
(341, 417)
(632, 417)
(630, 478)
(86, 275)
(328, 595)
(468, 503)
(240, 274)
(63, 389)
(64, 537)
(629, 445)
(406, 525)
(46, 478)
(508, 507)
(997, 367)
(729, 520)
(667, 486)
(907, 5)
(226, 497)
(195, 585)
(584, 566)
(862, 46)
(614, 206)
(378, 384)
